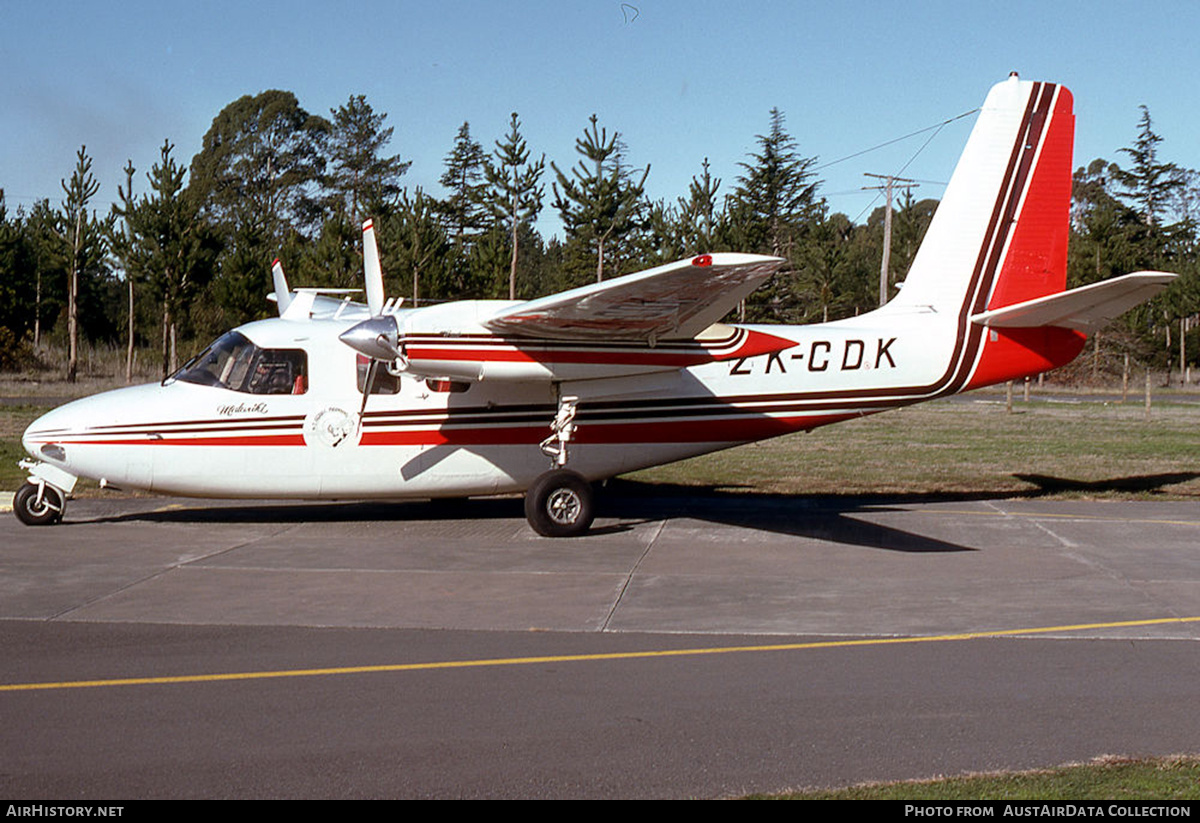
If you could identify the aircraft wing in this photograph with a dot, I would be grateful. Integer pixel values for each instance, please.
(673, 302)
(1085, 308)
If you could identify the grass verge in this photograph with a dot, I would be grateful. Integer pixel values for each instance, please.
(966, 446)
(1168, 778)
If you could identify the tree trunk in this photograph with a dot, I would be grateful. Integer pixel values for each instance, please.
(129, 279)
(1182, 351)
(37, 312)
(73, 304)
(512, 272)
(129, 348)
(166, 340)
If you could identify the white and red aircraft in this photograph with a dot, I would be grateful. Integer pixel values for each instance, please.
(335, 399)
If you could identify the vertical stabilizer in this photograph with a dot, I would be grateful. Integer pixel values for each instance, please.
(999, 235)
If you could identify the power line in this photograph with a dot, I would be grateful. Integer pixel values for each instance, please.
(937, 126)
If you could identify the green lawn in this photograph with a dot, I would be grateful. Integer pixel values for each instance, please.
(1172, 778)
(964, 447)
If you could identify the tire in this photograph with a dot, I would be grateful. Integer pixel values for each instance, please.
(32, 512)
(559, 504)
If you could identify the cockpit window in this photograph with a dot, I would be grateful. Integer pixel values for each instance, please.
(234, 363)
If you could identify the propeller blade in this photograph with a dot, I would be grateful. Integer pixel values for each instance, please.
(282, 296)
(372, 270)
(372, 370)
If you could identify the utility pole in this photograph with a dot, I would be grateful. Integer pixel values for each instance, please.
(892, 183)
(129, 170)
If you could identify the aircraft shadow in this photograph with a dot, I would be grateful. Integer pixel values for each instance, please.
(829, 518)
(1048, 484)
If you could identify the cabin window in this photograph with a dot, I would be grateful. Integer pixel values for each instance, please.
(385, 383)
(235, 363)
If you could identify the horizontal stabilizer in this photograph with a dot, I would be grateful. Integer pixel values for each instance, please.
(673, 302)
(306, 303)
(1084, 309)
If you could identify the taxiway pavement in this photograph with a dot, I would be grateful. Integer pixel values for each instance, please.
(716, 564)
(1084, 607)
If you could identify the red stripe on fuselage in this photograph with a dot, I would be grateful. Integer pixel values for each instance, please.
(735, 430)
(510, 351)
(254, 440)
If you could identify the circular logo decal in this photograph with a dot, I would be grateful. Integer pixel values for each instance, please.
(331, 427)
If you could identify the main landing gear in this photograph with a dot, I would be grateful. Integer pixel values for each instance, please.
(559, 503)
(39, 504)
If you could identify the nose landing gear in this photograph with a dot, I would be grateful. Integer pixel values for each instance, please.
(39, 504)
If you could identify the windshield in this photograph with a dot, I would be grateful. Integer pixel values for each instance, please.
(234, 363)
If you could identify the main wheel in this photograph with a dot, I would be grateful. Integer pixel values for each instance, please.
(559, 504)
(34, 509)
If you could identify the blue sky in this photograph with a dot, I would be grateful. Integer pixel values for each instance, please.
(680, 81)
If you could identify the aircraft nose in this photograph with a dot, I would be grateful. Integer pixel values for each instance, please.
(38, 439)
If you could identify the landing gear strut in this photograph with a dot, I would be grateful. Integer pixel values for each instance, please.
(559, 503)
(39, 504)
(562, 429)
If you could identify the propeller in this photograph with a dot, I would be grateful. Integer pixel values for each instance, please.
(283, 297)
(377, 337)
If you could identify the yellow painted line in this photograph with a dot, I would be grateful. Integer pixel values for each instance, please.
(577, 658)
(1040, 515)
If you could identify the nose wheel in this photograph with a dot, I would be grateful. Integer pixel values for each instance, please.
(39, 504)
(559, 504)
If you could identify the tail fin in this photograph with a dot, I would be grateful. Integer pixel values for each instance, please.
(999, 235)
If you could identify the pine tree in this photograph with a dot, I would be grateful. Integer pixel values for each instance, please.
(463, 209)
(360, 176)
(601, 203)
(1148, 187)
(669, 232)
(413, 241)
(777, 196)
(822, 261)
(167, 245)
(1105, 231)
(18, 271)
(516, 194)
(1148, 184)
(85, 246)
(698, 216)
(772, 209)
(333, 259)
